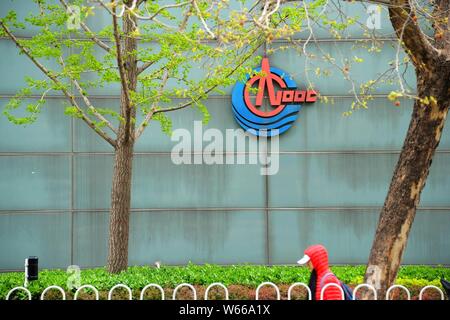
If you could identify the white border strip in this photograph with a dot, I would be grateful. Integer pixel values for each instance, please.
(268, 284)
(152, 285)
(174, 295)
(130, 295)
(301, 284)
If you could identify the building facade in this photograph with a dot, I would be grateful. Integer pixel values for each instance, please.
(333, 176)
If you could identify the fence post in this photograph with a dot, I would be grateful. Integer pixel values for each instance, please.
(84, 287)
(269, 284)
(302, 285)
(53, 287)
(367, 286)
(332, 285)
(18, 288)
(429, 287)
(174, 296)
(152, 285)
(397, 286)
(130, 295)
(216, 284)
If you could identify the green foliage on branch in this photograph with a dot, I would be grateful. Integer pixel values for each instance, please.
(181, 61)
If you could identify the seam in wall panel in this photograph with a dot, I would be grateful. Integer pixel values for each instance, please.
(353, 210)
(167, 153)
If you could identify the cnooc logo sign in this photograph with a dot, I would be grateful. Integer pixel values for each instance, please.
(284, 104)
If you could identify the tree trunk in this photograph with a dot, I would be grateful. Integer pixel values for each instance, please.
(121, 185)
(398, 212)
(120, 208)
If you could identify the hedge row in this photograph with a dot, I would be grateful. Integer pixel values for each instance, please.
(248, 275)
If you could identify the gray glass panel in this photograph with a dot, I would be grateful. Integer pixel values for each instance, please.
(90, 240)
(86, 139)
(175, 237)
(17, 67)
(50, 133)
(375, 64)
(153, 139)
(93, 181)
(46, 236)
(348, 235)
(335, 180)
(35, 182)
(319, 127)
(157, 182)
(323, 127)
(23, 8)
(222, 237)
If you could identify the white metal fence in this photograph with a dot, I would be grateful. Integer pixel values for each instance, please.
(221, 285)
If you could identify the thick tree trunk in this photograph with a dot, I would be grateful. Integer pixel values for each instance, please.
(398, 212)
(120, 208)
(121, 184)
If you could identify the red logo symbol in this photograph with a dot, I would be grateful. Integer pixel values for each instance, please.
(278, 100)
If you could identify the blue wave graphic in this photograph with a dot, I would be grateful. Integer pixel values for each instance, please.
(254, 123)
(267, 125)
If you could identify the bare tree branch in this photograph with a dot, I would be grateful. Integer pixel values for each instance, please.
(200, 16)
(207, 91)
(135, 5)
(181, 28)
(123, 75)
(152, 110)
(145, 66)
(151, 17)
(382, 2)
(86, 100)
(89, 32)
(418, 47)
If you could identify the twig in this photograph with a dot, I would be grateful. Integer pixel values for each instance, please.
(89, 32)
(152, 110)
(87, 101)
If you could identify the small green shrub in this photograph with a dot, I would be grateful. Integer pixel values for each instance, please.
(249, 275)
